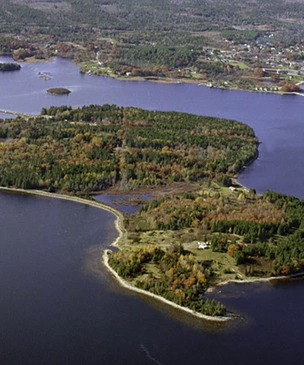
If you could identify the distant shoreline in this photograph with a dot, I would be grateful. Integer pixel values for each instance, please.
(161, 80)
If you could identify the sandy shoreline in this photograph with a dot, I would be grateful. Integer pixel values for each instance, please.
(121, 235)
(119, 216)
(125, 284)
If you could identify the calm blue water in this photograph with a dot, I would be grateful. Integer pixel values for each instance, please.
(58, 305)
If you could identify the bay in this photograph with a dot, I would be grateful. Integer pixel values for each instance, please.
(59, 306)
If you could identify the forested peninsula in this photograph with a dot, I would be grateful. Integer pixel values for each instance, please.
(200, 229)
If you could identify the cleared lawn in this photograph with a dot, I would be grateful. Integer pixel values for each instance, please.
(222, 264)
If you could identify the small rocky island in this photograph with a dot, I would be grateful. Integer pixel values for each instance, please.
(9, 66)
(58, 91)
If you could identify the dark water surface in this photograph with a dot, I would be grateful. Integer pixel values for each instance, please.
(58, 305)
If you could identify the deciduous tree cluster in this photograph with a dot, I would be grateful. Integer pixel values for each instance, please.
(178, 276)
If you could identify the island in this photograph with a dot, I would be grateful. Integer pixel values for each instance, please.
(200, 230)
(9, 66)
(58, 91)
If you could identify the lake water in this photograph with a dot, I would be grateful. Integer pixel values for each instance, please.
(59, 306)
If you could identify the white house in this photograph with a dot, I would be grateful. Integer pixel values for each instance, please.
(202, 245)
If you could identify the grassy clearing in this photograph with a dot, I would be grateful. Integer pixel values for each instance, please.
(150, 269)
(166, 238)
(222, 264)
(241, 65)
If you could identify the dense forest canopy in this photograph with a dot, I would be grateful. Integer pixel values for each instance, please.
(150, 14)
(157, 21)
(95, 147)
